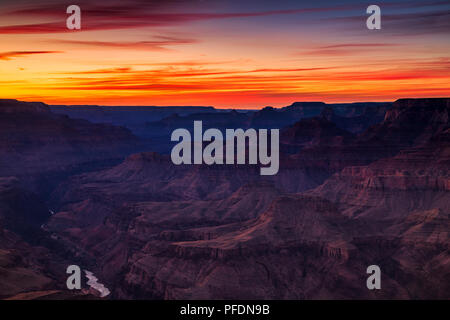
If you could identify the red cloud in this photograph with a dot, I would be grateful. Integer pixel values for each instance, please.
(125, 16)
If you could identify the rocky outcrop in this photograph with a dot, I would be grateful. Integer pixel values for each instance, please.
(11, 106)
(417, 178)
(410, 122)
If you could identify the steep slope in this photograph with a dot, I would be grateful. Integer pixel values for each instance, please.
(240, 260)
(127, 228)
(301, 248)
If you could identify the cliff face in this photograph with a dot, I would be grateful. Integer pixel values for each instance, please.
(416, 178)
(27, 125)
(35, 142)
(26, 265)
(264, 257)
(410, 122)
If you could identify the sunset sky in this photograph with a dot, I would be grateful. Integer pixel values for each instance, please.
(227, 53)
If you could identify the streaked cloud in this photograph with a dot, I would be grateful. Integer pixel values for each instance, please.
(347, 49)
(17, 54)
(159, 43)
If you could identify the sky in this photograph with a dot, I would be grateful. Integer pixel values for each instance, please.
(223, 53)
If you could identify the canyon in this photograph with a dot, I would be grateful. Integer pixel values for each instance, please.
(358, 184)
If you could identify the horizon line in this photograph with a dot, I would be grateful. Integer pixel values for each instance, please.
(215, 107)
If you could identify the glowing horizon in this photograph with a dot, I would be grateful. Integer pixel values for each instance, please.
(223, 54)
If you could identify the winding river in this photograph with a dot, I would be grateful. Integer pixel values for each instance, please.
(97, 286)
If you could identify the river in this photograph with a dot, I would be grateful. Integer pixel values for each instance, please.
(94, 284)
